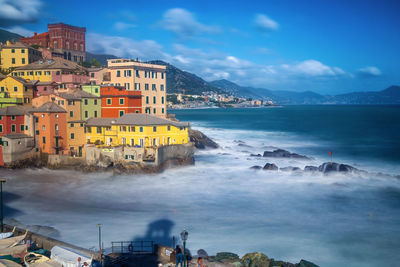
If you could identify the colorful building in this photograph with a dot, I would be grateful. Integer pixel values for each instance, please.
(17, 54)
(17, 88)
(98, 75)
(117, 101)
(92, 89)
(51, 129)
(149, 79)
(135, 129)
(45, 88)
(63, 39)
(65, 73)
(12, 120)
(90, 105)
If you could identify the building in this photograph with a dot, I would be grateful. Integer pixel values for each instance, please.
(45, 88)
(99, 75)
(13, 87)
(17, 54)
(90, 105)
(51, 129)
(16, 147)
(12, 120)
(117, 101)
(149, 79)
(92, 89)
(133, 129)
(62, 39)
(65, 73)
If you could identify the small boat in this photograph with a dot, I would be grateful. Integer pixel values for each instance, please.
(8, 263)
(13, 250)
(39, 260)
(68, 257)
(7, 235)
(12, 241)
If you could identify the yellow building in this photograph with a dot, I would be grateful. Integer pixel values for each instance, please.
(17, 54)
(50, 70)
(149, 79)
(134, 129)
(76, 138)
(17, 88)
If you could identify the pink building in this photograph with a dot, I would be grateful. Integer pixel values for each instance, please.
(98, 75)
(45, 88)
(70, 80)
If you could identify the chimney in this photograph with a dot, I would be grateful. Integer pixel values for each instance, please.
(35, 33)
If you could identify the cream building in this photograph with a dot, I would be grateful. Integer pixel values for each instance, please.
(150, 79)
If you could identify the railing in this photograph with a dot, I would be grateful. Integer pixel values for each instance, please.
(132, 247)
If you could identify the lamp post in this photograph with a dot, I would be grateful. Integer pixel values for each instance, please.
(2, 180)
(100, 252)
(184, 236)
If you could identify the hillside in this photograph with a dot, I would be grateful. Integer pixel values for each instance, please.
(102, 58)
(6, 35)
(179, 81)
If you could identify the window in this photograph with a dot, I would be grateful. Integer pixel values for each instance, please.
(169, 127)
(45, 88)
(124, 128)
(71, 102)
(162, 110)
(44, 140)
(162, 75)
(13, 118)
(95, 113)
(132, 142)
(98, 130)
(154, 110)
(153, 74)
(141, 129)
(154, 128)
(72, 136)
(162, 87)
(37, 132)
(127, 86)
(56, 127)
(92, 74)
(12, 50)
(154, 99)
(23, 51)
(23, 61)
(162, 100)
(147, 99)
(21, 127)
(1, 128)
(137, 86)
(132, 129)
(108, 101)
(146, 86)
(15, 89)
(43, 127)
(42, 115)
(86, 102)
(13, 128)
(127, 73)
(145, 74)
(56, 115)
(2, 88)
(89, 129)
(95, 101)
(121, 113)
(96, 91)
(86, 114)
(72, 125)
(153, 87)
(13, 60)
(121, 101)
(137, 73)
(118, 73)
(71, 114)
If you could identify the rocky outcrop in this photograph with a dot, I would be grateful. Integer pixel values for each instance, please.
(256, 259)
(329, 167)
(200, 140)
(221, 256)
(304, 263)
(270, 167)
(310, 168)
(256, 167)
(290, 168)
(280, 153)
(255, 155)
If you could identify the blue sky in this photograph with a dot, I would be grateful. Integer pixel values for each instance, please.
(326, 46)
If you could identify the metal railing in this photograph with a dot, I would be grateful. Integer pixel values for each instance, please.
(132, 247)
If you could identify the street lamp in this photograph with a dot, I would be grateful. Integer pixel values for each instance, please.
(100, 258)
(184, 236)
(2, 180)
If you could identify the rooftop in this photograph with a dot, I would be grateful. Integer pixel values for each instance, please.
(13, 111)
(55, 63)
(99, 121)
(10, 44)
(17, 136)
(49, 107)
(146, 119)
(76, 95)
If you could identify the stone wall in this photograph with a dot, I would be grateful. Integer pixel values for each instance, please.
(18, 149)
(64, 161)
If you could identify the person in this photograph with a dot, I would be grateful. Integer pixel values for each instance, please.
(179, 256)
(188, 257)
(200, 262)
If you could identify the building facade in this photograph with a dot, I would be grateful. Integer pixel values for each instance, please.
(12, 120)
(18, 88)
(17, 54)
(117, 101)
(68, 40)
(149, 79)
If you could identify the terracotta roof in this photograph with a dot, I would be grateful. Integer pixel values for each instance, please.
(54, 63)
(146, 119)
(44, 34)
(49, 107)
(13, 111)
(25, 82)
(77, 95)
(16, 136)
(15, 45)
(99, 121)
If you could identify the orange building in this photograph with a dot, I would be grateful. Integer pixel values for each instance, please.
(117, 101)
(51, 128)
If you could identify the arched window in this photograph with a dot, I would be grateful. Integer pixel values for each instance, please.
(67, 45)
(75, 46)
(55, 44)
(82, 47)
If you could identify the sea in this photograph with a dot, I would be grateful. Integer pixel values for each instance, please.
(331, 220)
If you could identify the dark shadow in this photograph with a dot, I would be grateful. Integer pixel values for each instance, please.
(158, 231)
(7, 198)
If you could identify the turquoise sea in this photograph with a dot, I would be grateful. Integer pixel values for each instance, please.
(331, 220)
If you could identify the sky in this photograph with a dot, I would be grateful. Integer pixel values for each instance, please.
(329, 47)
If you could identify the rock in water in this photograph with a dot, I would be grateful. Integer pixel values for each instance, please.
(226, 256)
(328, 167)
(310, 168)
(255, 155)
(256, 167)
(290, 168)
(280, 153)
(256, 259)
(200, 140)
(304, 263)
(270, 167)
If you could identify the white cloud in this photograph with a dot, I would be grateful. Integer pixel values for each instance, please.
(122, 26)
(370, 71)
(312, 68)
(20, 30)
(184, 24)
(14, 12)
(265, 24)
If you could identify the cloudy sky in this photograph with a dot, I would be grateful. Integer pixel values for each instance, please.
(326, 46)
